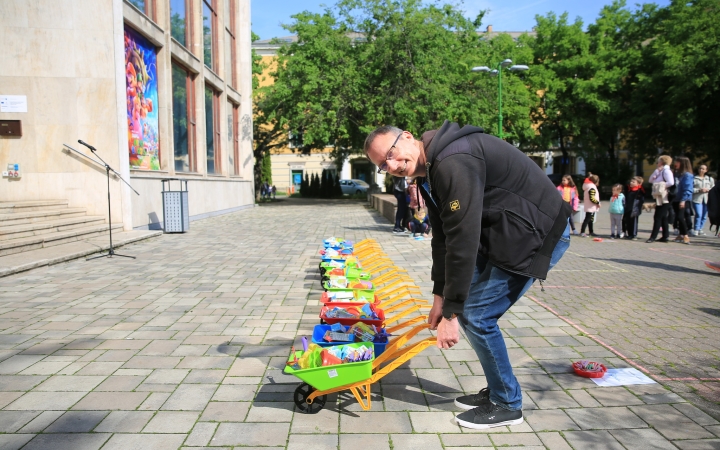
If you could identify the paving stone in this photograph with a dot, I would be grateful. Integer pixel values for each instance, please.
(248, 434)
(319, 442)
(109, 401)
(434, 422)
(364, 442)
(601, 440)
(124, 422)
(552, 399)
(515, 440)
(76, 422)
(12, 421)
(375, 422)
(14, 441)
(605, 418)
(39, 401)
(670, 422)
(549, 420)
(120, 383)
(167, 376)
(228, 412)
(270, 412)
(615, 396)
(466, 440)
(705, 444)
(554, 441)
(695, 414)
(236, 393)
(325, 421)
(416, 441)
(18, 363)
(41, 422)
(403, 398)
(145, 441)
(171, 422)
(20, 382)
(438, 380)
(70, 383)
(190, 397)
(642, 439)
(204, 376)
(201, 434)
(76, 441)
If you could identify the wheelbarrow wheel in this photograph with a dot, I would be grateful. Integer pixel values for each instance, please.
(300, 397)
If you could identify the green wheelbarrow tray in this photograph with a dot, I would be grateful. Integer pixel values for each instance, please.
(328, 377)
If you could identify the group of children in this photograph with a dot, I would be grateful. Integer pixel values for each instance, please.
(624, 211)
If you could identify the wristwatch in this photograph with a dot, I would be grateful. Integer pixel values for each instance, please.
(449, 315)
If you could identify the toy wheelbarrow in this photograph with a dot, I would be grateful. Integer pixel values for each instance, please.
(311, 395)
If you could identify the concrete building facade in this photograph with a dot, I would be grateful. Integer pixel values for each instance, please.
(162, 89)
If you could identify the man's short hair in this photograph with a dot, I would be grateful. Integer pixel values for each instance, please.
(380, 131)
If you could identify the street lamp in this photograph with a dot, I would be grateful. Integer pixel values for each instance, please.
(498, 72)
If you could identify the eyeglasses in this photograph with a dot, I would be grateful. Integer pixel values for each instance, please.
(383, 168)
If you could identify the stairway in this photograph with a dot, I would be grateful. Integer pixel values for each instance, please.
(32, 225)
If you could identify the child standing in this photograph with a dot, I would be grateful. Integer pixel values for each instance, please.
(569, 193)
(617, 209)
(633, 209)
(591, 202)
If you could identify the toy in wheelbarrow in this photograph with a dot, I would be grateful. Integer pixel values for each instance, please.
(351, 273)
(357, 296)
(339, 334)
(337, 243)
(349, 314)
(335, 284)
(357, 377)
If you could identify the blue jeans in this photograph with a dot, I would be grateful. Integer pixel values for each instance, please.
(701, 212)
(492, 292)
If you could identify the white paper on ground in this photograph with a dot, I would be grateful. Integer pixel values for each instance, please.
(623, 377)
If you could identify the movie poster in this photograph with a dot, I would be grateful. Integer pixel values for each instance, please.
(142, 101)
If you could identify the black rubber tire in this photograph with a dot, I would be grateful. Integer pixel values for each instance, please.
(302, 392)
(358, 192)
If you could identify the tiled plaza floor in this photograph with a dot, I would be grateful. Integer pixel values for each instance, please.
(183, 347)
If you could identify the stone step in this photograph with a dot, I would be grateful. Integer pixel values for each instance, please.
(15, 231)
(35, 205)
(72, 250)
(13, 246)
(26, 217)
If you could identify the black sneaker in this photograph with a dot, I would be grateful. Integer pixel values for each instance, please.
(474, 400)
(397, 230)
(487, 416)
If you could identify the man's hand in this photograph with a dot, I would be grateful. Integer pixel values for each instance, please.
(448, 333)
(435, 314)
(682, 204)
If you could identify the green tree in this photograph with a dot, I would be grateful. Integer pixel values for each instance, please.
(675, 104)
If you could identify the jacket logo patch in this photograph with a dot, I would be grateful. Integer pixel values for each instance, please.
(454, 205)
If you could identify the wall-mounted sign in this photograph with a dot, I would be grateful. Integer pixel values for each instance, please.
(13, 103)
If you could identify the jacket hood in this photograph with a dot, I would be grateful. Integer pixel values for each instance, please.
(447, 133)
(588, 185)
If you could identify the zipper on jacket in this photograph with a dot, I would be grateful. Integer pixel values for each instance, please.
(521, 219)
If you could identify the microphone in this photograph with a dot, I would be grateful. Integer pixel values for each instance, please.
(92, 149)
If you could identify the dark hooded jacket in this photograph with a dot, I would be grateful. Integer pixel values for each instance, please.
(486, 197)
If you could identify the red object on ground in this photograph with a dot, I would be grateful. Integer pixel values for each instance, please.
(597, 239)
(347, 321)
(596, 370)
(713, 265)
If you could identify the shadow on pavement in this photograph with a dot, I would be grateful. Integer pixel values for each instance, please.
(657, 265)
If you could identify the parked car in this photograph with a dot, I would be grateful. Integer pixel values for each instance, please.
(351, 187)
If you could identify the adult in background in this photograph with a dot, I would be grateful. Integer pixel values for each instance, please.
(498, 224)
(400, 192)
(663, 180)
(702, 184)
(683, 197)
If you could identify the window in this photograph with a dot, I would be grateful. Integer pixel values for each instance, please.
(295, 140)
(212, 130)
(233, 142)
(209, 33)
(230, 42)
(147, 7)
(180, 21)
(183, 108)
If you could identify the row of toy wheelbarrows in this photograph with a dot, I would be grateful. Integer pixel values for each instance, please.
(363, 290)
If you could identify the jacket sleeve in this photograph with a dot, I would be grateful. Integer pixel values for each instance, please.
(697, 185)
(594, 196)
(685, 188)
(437, 245)
(668, 177)
(458, 186)
(655, 177)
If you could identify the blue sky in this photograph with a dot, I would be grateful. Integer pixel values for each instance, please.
(504, 15)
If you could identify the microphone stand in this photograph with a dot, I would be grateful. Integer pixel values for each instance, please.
(108, 169)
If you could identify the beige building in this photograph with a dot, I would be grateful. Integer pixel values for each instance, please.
(162, 89)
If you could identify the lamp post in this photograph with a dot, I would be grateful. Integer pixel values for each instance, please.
(500, 66)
